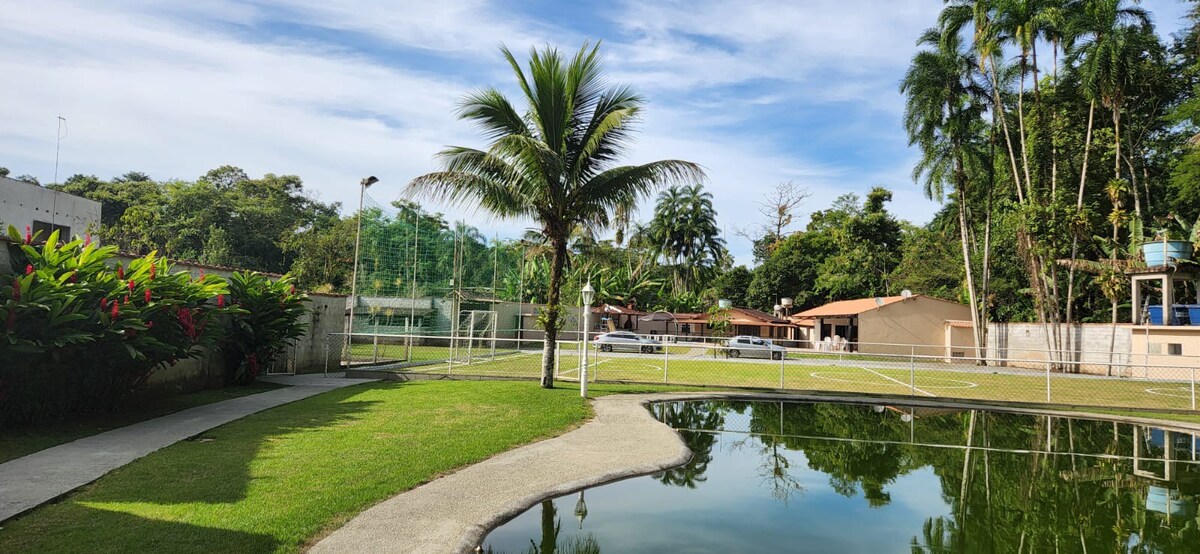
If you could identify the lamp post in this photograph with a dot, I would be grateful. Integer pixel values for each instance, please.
(588, 294)
(362, 191)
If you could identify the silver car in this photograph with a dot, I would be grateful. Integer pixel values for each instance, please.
(624, 341)
(746, 346)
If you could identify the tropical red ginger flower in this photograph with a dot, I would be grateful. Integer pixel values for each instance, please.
(150, 324)
(74, 276)
(152, 271)
(131, 285)
(147, 296)
(115, 311)
(87, 240)
(28, 235)
(186, 321)
(220, 300)
(292, 290)
(28, 269)
(103, 303)
(120, 272)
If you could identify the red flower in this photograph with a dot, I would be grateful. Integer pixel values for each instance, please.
(147, 296)
(115, 311)
(120, 272)
(103, 303)
(87, 239)
(201, 275)
(131, 285)
(220, 300)
(74, 276)
(126, 299)
(28, 235)
(152, 271)
(28, 269)
(292, 290)
(150, 324)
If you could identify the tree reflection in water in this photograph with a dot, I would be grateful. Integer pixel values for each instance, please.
(1007, 482)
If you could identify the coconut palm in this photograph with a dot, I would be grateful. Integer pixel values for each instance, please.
(942, 118)
(554, 163)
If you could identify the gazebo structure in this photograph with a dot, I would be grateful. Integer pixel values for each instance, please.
(1167, 276)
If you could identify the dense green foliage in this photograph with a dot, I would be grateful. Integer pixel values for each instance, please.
(84, 332)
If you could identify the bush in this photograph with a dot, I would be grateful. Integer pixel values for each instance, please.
(83, 333)
(266, 320)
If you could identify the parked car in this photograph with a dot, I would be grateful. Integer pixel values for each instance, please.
(746, 346)
(625, 341)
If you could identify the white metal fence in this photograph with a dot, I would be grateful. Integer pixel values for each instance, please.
(1028, 376)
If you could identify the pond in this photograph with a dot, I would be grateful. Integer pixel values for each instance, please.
(823, 477)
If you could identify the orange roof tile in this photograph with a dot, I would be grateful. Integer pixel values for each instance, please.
(850, 307)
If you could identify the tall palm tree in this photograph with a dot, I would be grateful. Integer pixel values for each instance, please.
(684, 231)
(942, 118)
(555, 162)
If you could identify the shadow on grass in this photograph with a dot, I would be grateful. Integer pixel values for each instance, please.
(154, 536)
(214, 467)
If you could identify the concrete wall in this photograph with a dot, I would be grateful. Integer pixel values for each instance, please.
(1087, 343)
(1167, 352)
(24, 203)
(919, 320)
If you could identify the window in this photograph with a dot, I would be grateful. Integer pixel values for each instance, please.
(1174, 349)
(43, 230)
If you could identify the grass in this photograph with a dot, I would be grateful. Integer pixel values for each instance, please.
(22, 441)
(276, 480)
(853, 376)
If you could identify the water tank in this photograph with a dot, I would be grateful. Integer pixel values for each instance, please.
(724, 304)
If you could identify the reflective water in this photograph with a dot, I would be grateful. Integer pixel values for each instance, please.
(795, 477)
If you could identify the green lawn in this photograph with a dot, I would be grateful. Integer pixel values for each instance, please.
(275, 480)
(850, 376)
(18, 442)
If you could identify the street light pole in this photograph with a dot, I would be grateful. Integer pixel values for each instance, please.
(588, 294)
(362, 191)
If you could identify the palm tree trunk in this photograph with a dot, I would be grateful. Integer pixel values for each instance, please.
(558, 259)
(1087, 145)
(966, 252)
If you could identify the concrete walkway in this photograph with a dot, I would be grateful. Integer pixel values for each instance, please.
(32, 480)
(452, 513)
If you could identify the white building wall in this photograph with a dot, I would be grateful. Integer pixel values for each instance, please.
(24, 204)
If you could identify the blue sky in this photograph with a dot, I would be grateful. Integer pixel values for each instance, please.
(757, 92)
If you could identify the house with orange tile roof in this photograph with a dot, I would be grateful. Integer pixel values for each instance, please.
(876, 324)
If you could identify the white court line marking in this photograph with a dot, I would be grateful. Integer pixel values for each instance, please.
(901, 383)
(1163, 391)
(826, 375)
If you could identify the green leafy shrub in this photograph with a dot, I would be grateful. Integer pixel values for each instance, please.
(265, 320)
(83, 334)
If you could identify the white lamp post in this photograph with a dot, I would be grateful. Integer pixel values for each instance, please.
(588, 294)
(362, 190)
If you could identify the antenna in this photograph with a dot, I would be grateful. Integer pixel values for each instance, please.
(62, 122)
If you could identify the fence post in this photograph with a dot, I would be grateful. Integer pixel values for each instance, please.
(450, 356)
(1193, 372)
(375, 348)
(557, 359)
(666, 355)
(328, 343)
(782, 360)
(912, 372)
(1048, 381)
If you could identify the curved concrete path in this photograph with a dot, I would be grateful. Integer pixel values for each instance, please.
(452, 513)
(33, 480)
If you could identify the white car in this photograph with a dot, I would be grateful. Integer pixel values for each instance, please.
(625, 341)
(746, 346)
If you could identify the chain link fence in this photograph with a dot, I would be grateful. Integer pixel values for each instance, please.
(1026, 376)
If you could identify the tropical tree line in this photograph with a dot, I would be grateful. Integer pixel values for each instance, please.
(1058, 134)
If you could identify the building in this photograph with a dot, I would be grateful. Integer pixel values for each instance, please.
(872, 324)
(26, 204)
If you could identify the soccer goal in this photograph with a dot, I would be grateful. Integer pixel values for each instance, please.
(473, 338)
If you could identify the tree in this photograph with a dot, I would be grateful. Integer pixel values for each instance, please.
(556, 162)
(778, 210)
(685, 234)
(942, 117)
